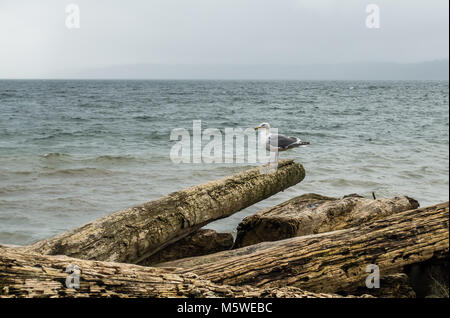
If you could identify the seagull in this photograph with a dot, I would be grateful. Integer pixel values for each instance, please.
(276, 143)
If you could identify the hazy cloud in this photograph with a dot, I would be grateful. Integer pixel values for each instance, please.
(34, 41)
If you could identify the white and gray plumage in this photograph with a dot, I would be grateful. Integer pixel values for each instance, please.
(276, 142)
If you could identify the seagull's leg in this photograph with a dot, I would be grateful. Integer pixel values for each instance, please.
(273, 165)
(277, 158)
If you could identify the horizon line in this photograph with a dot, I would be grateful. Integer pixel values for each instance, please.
(215, 79)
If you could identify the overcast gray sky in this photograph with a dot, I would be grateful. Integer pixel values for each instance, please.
(34, 41)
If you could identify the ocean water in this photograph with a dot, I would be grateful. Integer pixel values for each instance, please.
(73, 151)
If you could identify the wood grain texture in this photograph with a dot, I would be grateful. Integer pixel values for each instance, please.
(38, 276)
(334, 261)
(313, 214)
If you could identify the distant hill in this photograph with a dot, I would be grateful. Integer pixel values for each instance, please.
(433, 70)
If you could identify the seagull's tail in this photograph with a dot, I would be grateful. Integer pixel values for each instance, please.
(300, 143)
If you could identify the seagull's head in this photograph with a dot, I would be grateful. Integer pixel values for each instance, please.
(264, 126)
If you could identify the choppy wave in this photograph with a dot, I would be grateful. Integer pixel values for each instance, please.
(7, 237)
(145, 118)
(53, 136)
(55, 155)
(232, 169)
(7, 95)
(373, 87)
(12, 189)
(113, 159)
(357, 184)
(81, 172)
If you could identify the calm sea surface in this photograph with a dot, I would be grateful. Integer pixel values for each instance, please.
(73, 151)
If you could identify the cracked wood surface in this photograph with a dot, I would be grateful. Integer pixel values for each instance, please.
(334, 261)
(35, 275)
(313, 214)
(134, 234)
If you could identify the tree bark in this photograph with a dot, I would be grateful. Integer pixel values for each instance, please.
(313, 214)
(334, 261)
(134, 234)
(35, 275)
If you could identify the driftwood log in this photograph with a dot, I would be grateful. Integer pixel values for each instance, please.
(334, 261)
(313, 214)
(35, 275)
(134, 234)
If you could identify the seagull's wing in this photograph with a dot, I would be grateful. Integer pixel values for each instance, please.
(285, 142)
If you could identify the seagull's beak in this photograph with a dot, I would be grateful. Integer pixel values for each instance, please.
(256, 128)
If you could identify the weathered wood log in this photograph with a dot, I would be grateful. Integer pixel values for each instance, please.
(333, 261)
(35, 275)
(134, 234)
(313, 214)
(201, 242)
